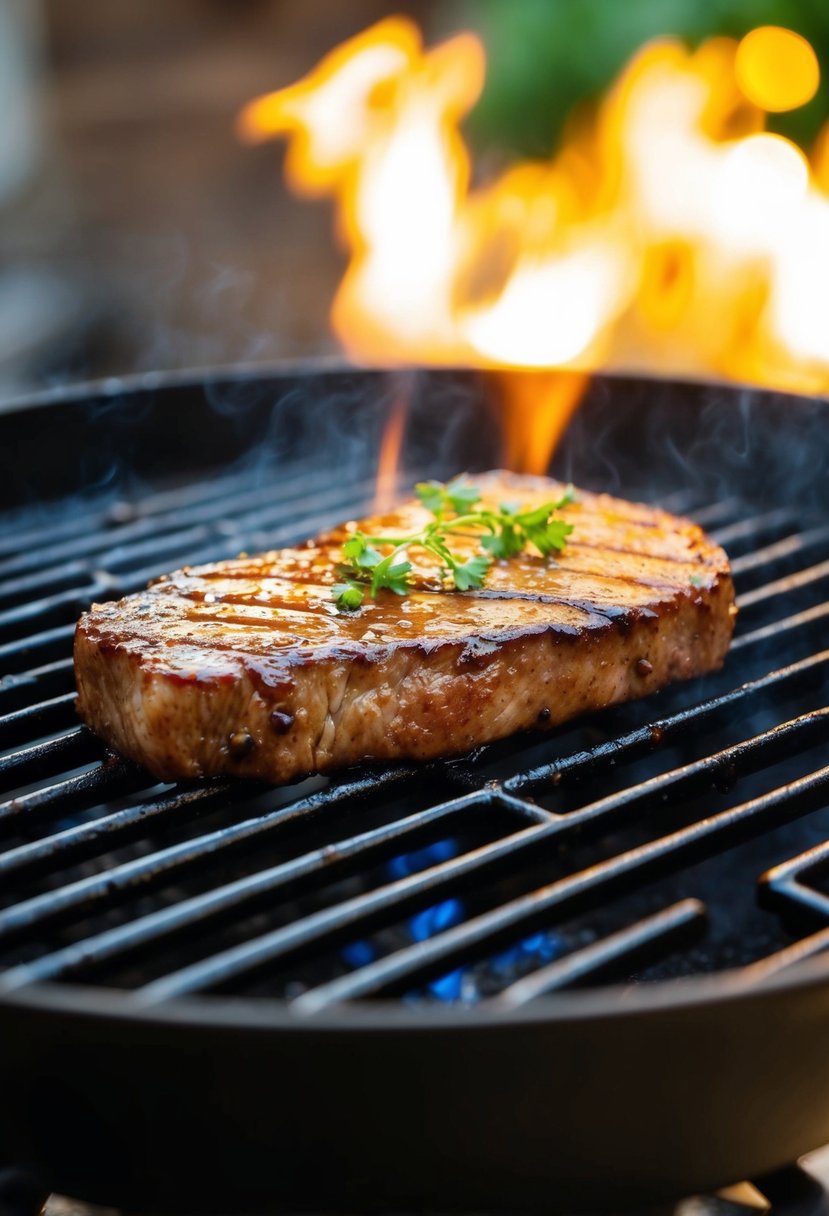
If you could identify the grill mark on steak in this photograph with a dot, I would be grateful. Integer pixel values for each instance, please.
(247, 666)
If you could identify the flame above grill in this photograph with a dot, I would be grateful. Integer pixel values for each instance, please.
(670, 231)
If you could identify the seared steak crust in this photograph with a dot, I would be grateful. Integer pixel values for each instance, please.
(247, 667)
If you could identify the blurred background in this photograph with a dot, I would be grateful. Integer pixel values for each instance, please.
(138, 233)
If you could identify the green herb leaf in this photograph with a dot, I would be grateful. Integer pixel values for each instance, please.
(500, 534)
(536, 517)
(458, 496)
(506, 542)
(358, 551)
(432, 495)
(550, 537)
(471, 573)
(461, 495)
(348, 596)
(390, 576)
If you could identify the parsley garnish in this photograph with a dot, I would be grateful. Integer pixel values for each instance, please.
(503, 534)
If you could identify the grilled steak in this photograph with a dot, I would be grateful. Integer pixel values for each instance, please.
(247, 667)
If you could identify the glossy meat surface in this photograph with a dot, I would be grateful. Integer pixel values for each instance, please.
(248, 667)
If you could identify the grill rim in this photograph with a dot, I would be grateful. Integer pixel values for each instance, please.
(103, 387)
(615, 1001)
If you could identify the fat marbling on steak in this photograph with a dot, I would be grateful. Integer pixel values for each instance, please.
(248, 667)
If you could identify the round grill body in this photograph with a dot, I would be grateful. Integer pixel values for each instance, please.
(575, 970)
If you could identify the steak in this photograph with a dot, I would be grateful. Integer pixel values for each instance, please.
(248, 667)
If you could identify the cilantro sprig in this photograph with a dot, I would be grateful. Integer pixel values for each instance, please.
(502, 534)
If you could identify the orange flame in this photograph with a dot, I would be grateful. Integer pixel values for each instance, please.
(671, 232)
(388, 458)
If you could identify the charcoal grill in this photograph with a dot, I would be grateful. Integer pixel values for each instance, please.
(576, 970)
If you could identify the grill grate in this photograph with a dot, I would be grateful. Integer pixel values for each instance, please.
(677, 835)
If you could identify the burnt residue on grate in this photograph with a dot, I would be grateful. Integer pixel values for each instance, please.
(682, 834)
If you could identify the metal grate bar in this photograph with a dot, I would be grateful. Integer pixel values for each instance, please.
(103, 833)
(151, 516)
(195, 502)
(707, 515)
(73, 575)
(730, 763)
(661, 931)
(137, 541)
(121, 880)
(231, 897)
(96, 547)
(35, 720)
(360, 912)
(52, 608)
(755, 525)
(46, 682)
(635, 739)
(50, 644)
(234, 531)
(76, 602)
(68, 604)
(198, 495)
(765, 968)
(428, 959)
(786, 884)
(789, 624)
(103, 782)
(337, 919)
(57, 578)
(789, 546)
(164, 548)
(18, 538)
(215, 523)
(784, 586)
(733, 760)
(658, 932)
(78, 746)
(665, 730)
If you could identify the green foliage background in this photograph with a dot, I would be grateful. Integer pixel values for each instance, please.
(544, 56)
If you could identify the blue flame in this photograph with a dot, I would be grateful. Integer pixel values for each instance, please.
(425, 924)
(429, 923)
(432, 921)
(449, 987)
(532, 951)
(421, 859)
(359, 954)
(539, 947)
